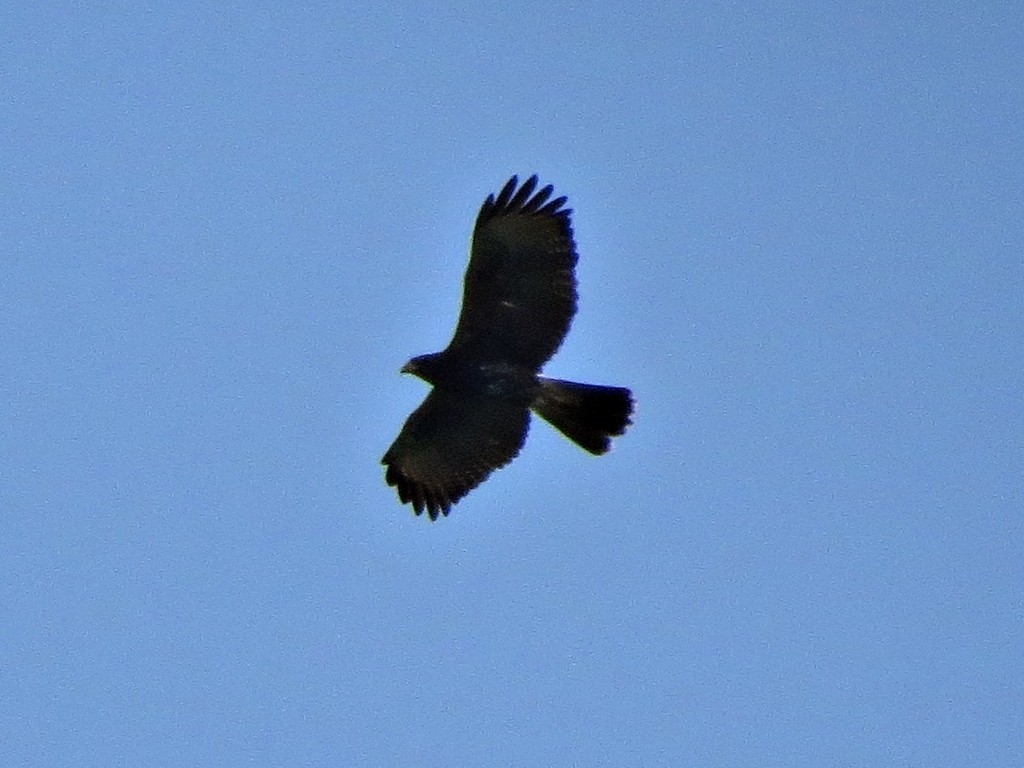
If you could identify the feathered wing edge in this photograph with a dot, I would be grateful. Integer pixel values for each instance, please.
(449, 445)
(510, 200)
(435, 501)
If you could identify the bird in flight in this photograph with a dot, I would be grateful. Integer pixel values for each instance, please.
(519, 297)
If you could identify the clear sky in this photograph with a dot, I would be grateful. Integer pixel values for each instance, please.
(225, 226)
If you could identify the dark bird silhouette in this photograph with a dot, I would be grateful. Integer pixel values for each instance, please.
(519, 297)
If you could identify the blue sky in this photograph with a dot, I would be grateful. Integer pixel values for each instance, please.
(227, 226)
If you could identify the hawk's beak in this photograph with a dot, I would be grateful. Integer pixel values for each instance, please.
(409, 367)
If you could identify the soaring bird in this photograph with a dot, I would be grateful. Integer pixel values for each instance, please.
(519, 298)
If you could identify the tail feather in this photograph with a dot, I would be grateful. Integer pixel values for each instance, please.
(588, 414)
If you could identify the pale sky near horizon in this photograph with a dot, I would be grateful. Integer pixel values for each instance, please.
(227, 226)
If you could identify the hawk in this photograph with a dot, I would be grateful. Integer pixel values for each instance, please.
(519, 298)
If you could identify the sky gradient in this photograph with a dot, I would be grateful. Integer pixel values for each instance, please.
(227, 226)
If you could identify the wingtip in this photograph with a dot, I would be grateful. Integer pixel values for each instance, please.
(421, 498)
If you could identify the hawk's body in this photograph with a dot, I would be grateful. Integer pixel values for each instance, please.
(519, 297)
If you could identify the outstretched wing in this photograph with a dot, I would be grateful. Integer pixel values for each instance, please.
(449, 445)
(519, 293)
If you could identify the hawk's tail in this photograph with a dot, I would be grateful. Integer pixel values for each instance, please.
(588, 414)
